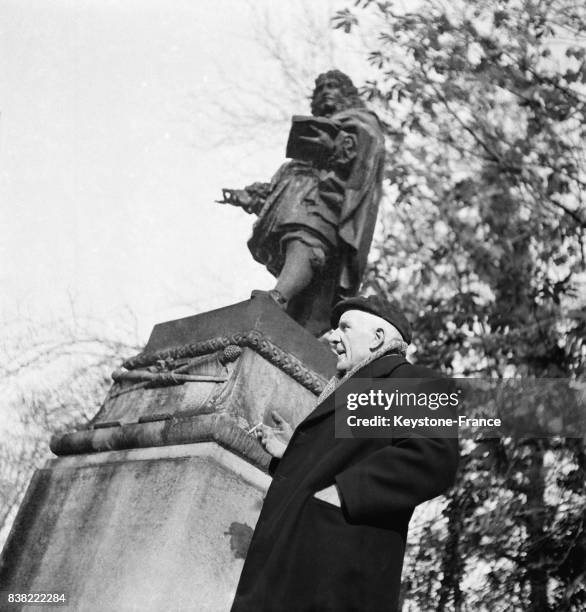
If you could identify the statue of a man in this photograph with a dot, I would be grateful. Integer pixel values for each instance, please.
(316, 217)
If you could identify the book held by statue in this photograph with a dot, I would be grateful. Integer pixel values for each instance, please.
(306, 127)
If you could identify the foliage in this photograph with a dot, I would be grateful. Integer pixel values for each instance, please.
(482, 241)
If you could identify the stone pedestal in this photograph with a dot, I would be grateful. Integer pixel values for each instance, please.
(152, 507)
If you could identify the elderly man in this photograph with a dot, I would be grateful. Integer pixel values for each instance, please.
(331, 534)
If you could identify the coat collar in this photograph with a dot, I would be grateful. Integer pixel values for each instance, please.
(379, 368)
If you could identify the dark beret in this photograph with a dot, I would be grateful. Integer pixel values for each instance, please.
(376, 306)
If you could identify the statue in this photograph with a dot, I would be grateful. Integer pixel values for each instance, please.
(316, 217)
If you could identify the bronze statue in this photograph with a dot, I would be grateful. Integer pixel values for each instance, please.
(316, 217)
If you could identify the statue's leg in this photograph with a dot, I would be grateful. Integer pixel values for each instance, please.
(307, 281)
(298, 269)
(312, 307)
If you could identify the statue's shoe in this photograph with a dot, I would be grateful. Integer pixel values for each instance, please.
(275, 295)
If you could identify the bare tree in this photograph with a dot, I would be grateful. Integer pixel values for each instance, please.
(55, 376)
(254, 106)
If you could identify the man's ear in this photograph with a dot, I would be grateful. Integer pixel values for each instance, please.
(378, 339)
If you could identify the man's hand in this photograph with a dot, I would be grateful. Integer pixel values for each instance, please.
(283, 427)
(330, 495)
(275, 439)
(321, 138)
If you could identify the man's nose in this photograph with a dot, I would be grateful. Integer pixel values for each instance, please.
(334, 337)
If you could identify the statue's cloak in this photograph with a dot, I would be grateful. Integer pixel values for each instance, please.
(362, 195)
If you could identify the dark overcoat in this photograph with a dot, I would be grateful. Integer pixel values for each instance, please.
(309, 555)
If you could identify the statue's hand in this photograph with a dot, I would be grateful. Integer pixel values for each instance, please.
(321, 138)
(236, 197)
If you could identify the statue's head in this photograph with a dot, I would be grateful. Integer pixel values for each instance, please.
(333, 92)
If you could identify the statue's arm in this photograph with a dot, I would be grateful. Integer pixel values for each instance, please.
(251, 198)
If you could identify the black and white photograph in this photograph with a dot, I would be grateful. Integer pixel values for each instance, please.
(293, 305)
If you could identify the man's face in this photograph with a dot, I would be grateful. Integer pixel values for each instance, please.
(353, 339)
(328, 97)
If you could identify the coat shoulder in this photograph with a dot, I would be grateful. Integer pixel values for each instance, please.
(396, 366)
(409, 370)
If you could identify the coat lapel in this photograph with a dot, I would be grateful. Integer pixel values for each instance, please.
(382, 367)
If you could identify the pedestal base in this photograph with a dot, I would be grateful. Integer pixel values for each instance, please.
(154, 529)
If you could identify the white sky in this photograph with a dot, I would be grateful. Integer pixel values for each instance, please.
(107, 179)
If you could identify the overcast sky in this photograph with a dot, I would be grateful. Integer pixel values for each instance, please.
(107, 171)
